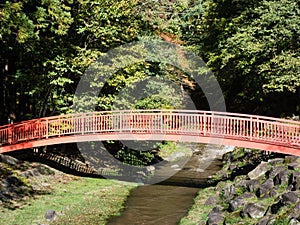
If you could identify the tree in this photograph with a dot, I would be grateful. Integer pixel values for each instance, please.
(253, 48)
(46, 46)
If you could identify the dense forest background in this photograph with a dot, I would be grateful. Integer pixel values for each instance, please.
(252, 46)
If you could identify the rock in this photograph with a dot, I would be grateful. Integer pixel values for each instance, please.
(295, 180)
(243, 183)
(240, 201)
(228, 191)
(219, 187)
(8, 160)
(275, 207)
(254, 211)
(294, 166)
(295, 211)
(211, 201)
(281, 178)
(253, 185)
(290, 198)
(265, 188)
(232, 167)
(294, 221)
(266, 220)
(290, 188)
(276, 170)
(215, 217)
(290, 158)
(275, 161)
(263, 221)
(175, 166)
(260, 170)
(50, 215)
(150, 169)
(273, 193)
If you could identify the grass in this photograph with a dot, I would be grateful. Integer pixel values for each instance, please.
(78, 201)
(169, 150)
(199, 212)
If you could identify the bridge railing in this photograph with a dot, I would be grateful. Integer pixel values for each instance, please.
(181, 122)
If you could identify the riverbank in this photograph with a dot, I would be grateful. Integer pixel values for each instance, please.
(32, 193)
(251, 188)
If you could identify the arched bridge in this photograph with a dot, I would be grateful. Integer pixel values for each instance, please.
(250, 131)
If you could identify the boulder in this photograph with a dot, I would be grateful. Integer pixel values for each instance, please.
(265, 188)
(254, 211)
(295, 213)
(273, 193)
(289, 197)
(260, 170)
(275, 161)
(215, 217)
(228, 191)
(263, 221)
(240, 201)
(8, 160)
(290, 188)
(266, 220)
(213, 200)
(275, 170)
(294, 221)
(294, 166)
(253, 185)
(291, 158)
(295, 180)
(275, 207)
(243, 183)
(281, 178)
(50, 215)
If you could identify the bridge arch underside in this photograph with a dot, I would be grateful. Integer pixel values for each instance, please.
(218, 140)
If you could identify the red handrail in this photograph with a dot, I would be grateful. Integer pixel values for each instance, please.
(245, 127)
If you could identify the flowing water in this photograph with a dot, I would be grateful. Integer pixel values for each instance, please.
(166, 203)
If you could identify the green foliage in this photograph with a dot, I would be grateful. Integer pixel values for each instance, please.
(169, 149)
(135, 158)
(252, 47)
(46, 47)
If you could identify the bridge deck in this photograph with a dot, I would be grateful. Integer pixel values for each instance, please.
(265, 133)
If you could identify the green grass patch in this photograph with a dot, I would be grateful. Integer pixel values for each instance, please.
(199, 212)
(172, 150)
(81, 201)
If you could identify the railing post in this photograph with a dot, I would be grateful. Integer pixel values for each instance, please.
(47, 128)
(251, 128)
(121, 121)
(161, 122)
(82, 124)
(59, 127)
(10, 135)
(93, 122)
(204, 121)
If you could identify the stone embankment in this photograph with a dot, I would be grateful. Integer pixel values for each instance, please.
(262, 193)
(15, 183)
(20, 180)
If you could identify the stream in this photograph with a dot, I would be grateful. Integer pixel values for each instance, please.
(167, 202)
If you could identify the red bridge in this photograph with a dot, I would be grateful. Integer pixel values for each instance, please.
(249, 131)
